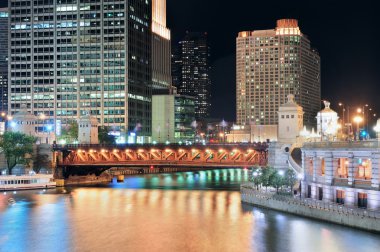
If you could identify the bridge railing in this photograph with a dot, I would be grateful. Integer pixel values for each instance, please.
(257, 146)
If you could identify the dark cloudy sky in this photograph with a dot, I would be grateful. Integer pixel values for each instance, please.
(345, 34)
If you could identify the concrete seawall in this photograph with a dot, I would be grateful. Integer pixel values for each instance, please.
(356, 218)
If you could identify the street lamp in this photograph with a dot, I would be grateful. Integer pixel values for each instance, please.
(343, 110)
(358, 120)
(300, 177)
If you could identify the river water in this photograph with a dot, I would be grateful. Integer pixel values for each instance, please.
(189, 211)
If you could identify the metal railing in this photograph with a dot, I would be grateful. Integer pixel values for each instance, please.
(249, 189)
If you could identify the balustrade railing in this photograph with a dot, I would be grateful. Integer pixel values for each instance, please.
(343, 144)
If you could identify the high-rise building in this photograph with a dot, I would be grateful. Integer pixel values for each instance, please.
(161, 47)
(271, 64)
(191, 71)
(72, 57)
(4, 24)
(172, 118)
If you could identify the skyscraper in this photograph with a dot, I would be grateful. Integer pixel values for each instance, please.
(161, 48)
(191, 71)
(4, 60)
(270, 64)
(72, 57)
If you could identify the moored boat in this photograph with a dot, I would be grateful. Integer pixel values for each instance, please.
(26, 182)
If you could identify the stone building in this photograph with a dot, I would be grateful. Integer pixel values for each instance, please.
(342, 172)
(88, 130)
(290, 124)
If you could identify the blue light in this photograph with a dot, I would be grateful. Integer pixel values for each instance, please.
(49, 127)
(13, 124)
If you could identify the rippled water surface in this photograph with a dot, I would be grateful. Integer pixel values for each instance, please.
(189, 211)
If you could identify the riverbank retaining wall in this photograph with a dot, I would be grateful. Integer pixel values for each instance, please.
(356, 218)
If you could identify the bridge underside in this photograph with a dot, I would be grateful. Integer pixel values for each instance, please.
(92, 160)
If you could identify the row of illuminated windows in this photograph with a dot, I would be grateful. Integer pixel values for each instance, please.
(81, 104)
(27, 97)
(93, 112)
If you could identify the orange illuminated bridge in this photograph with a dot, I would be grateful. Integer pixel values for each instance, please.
(87, 159)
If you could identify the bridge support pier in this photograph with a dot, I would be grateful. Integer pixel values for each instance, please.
(120, 178)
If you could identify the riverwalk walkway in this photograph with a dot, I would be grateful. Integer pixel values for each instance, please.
(327, 211)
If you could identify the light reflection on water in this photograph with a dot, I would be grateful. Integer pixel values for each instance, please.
(190, 211)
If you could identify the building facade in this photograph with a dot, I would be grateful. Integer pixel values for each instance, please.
(70, 57)
(191, 71)
(161, 47)
(173, 115)
(342, 172)
(270, 64)
(4, 24)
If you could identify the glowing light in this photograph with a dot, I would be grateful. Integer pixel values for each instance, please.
(62, 141)
(358, 119)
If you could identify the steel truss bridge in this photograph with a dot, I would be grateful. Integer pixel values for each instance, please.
(94, 159)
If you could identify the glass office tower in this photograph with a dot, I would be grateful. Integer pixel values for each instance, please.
(72, 57)
(3, 62)
(191, 71)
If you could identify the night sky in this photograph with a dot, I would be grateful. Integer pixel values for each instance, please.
(345, 34)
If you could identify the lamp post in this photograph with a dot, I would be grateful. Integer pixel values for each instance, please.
(358, 120)
(343, 110)
(300, 177)
(223, 124)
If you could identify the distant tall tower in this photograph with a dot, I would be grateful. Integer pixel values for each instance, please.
(4, 24)
(191, 71)
(270, 64)
(161, 47)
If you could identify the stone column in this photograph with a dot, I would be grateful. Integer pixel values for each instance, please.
(303, 162)
(316, 165)
(375, 162)
(327, 189)
(351, 168)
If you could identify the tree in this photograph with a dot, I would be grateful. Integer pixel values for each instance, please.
(265, 176)
(104, 137)
(290, 178)
(17, 148)
(256, 177)
(276, 180)
(70, 132)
